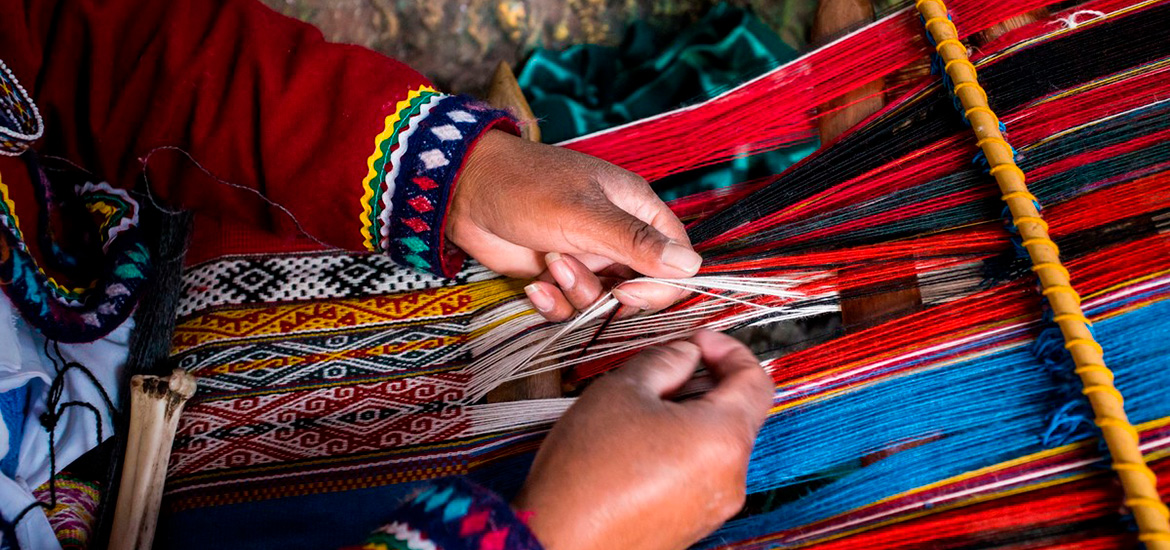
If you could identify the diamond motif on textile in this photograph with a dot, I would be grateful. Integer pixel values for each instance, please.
(417, 225)
(425, 183)
(433, 159)
(251, 281)
(461, 116)
(421, 204)
(350, 275)
(447, 132)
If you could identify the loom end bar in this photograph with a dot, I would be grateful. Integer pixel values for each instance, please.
(1140, 487)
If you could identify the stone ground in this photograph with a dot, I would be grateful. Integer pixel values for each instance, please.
(457, 43)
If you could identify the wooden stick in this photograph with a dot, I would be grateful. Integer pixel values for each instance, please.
(1137, 480)
(155, 404)
(862, 309)
(505, 93)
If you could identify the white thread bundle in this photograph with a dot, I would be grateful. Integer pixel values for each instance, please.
(521, 344)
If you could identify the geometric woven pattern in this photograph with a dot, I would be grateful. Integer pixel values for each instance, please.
(301, 394)
(306, 276)
(342, 419)
(320, 318)
(359, 355)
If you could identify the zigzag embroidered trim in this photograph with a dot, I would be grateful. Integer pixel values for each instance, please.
(378, 185)
(114, 213)
(424, 175)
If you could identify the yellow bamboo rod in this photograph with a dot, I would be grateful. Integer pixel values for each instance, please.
(1138, 481)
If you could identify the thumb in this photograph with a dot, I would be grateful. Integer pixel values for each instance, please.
(628, 240)
(661, 370)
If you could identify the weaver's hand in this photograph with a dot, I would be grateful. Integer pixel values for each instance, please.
(516, 201)
(628, 468)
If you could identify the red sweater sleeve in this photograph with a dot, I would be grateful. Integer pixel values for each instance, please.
(356, 146)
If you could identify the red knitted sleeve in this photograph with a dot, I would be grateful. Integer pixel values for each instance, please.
(358, 148)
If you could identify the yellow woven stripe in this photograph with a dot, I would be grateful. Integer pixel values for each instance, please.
(268, 321)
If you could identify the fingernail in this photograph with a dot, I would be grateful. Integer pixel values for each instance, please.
(681, 257)
(631, 299)
(539, 298)
(561, 271)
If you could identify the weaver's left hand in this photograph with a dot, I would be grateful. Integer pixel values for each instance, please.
(599, 224)
(630, 467)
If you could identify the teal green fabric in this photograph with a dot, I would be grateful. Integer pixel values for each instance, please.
(587, 88)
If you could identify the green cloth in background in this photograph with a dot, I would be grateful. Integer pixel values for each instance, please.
(587, 88)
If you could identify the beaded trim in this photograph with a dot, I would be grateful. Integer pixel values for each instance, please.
(20, 121)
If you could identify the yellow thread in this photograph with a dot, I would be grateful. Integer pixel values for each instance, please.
(1061, 289)
(959, 87)
(985, 110)
(1094, 368)
(1043, 241)
(941, 5)
(938, 47)
(1140, 468)
(1015, 194)
(1084, 342)
(1110, 422)
(993, 139)
(1011, 166)
(1144, 502)
(1154, 537)
(934, 20)
(1053, 265)
(1099, 388)
(1033, 219)
(964, 61)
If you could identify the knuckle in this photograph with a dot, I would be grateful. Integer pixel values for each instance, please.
(644, 238)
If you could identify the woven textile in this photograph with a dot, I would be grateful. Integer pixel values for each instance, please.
(312, 389)
(73, 516)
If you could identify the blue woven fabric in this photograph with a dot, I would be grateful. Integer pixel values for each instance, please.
(13, 409)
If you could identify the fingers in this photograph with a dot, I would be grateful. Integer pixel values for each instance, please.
(548, 300)
(661, 370)
(636, 228)
(580, 287)
(506, 258)
(647, 296)
(578, 284)
(630, 192)
(625, 239)
(741, 384)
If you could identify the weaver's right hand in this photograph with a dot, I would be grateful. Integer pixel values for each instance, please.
(627, 467)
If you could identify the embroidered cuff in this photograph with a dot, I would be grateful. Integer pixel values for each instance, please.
(454, 515)
(413, 171)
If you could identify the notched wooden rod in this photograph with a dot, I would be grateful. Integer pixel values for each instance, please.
(1122, 439)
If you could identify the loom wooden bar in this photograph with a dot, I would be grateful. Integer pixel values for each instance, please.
(505, 93)
(1138, 482)
(867, 308)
